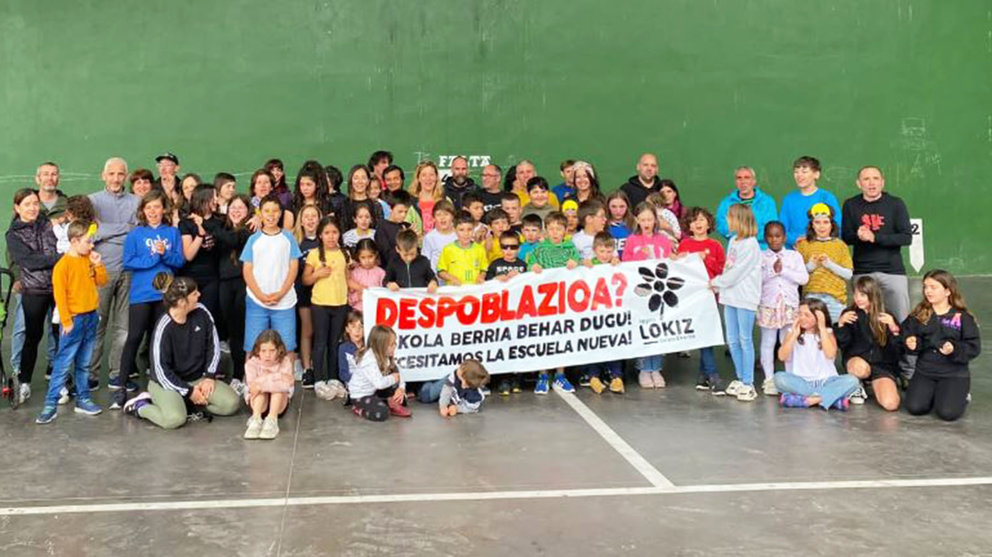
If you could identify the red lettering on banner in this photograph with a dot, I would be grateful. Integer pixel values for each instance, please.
(385, 312)
(490, 307)
(407, 314)
(505, 313)
(601, 295)
(427, 314)
(468, 310)
(525, 307)
(561, 297)
(547, 291)
(445, 308)
(577, 287)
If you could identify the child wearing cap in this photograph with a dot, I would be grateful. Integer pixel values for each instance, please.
(827, 260)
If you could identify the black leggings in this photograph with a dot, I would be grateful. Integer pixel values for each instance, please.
(328, 325)
(232, 312)
(35, 306)
(141, 320)
(210, 297)
(375, 407)
(946, 395)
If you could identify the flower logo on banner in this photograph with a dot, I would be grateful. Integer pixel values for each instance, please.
(659, 288)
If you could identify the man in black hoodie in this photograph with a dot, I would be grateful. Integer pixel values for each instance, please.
(458, 184)
(876, 225)
(645, 182)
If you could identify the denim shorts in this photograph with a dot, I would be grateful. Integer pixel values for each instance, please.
(259, 318)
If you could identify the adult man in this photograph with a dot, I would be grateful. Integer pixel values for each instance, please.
(378, 162)
(459, 183)
(645, 182)
(490, 192)
(168, 166)
(115, 212)
(393, 177)
(876, 225)
(53, 203)
(762, 204)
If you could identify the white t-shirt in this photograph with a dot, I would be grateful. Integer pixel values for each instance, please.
(583, 243)
(808, 360)
(352, 237)
(434, 243)
(270, 255)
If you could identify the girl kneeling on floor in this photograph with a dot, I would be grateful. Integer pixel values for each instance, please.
(375, 386)
(185, 352)
(810, 378)
(269, 375)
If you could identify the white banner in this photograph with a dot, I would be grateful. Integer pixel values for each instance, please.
(559, 317)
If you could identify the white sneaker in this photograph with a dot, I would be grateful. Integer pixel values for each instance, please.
(338, 389)
(25, 392)
(734, 388)
(64, 396)
(859, 396)
(768, 387)
(225, 347)
(747, 393)
(239, 387)
(323, 390)
(270, 427)
(254, 428)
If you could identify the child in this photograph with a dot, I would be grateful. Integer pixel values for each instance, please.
(782, 273)
(463, 261)
(810, 378)
(77, 207)
(570, 208)
(739, 288)
(869, 339)
(621, 221)
(604, 253)
(375, 386)
(352, 341)
(554, 252)
(646, 243)
(387, 230)
(270, 262)
(366, 274)
(667, 221)
(326, 271)
(509, 265)
(363, 226)
(75, 280)
(945, 336)
(537, 190)
(269, 376)
(305, 232)
(510, 202)
(408, 269)
(592, 219)
(796, 205)
(828, 260)
(499, 222)
(566, 188)
(472, 203)
(700, 224)
(458, 393)
(443, 233)
(531, 231)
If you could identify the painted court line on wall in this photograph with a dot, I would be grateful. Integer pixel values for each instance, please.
(635, 459)
(489, 496)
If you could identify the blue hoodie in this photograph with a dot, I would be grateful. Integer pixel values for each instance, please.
(762, 205)
(144, 264)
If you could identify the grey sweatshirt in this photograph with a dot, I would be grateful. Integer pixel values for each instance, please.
(740, 283)
(117, 214)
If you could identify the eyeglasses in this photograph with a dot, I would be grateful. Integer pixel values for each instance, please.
(509, 246)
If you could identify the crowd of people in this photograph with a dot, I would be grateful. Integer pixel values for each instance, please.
(273, 274)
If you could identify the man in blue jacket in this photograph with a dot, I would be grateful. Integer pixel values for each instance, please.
(762, 204)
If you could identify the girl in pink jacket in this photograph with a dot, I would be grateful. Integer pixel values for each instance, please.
(269, 376)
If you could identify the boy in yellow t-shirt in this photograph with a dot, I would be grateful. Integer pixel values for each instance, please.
(463, 261)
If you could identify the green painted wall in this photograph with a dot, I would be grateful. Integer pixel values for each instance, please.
(706, 84)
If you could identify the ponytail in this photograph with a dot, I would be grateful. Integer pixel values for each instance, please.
(173, 289)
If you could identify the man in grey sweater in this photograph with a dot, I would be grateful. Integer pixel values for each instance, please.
(116, 213)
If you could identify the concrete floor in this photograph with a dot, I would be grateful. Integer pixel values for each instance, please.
(332, 484)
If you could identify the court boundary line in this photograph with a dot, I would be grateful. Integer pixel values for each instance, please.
(491, 496)
(634, 458)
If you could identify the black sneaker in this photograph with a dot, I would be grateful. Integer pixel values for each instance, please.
(94, 385)
(717, 386)
(118, 399)
(584, 380)
(48, 373)
(308, 379)
(703, 383)
(515, 385)
(504, 388)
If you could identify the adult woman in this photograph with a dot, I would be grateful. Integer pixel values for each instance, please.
(359, 178)
(230, 241)
(141, 182)
(427, 192)
(670, 197)
(586, 183)
(32, 246)
(278, 171)
(185, 352)
(199, 236)
(261, 185)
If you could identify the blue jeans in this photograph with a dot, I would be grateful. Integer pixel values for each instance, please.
(707, 361)
(830, 390)
(651, 363)
(740, 326)
(76, 347)
(17, 337)
(597, 369)
(430, 391)
(259, 318)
